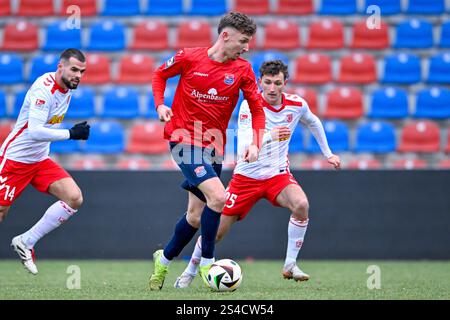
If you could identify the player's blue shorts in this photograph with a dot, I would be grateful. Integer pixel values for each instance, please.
(197, 164)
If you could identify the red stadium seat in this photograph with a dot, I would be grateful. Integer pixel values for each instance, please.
(444, 164)
(5, 7)
(310, 95)
(282, 35)
(420, 136)
(447, 149)
(20, 36)
(357, 68)
(252, 7)
(87, 7)
(97, 69)
(147, 138)
(313, 68)
(344, 103)
(169, 164)
(5, 129)
(410, 164)
(89, 164)
(194, 33)
(296, 7)
(316, 164)
(36, 8)
(136, 68)
(364, 164)
(133, 164)
(150, 35)
(326, 34)
(365, 38)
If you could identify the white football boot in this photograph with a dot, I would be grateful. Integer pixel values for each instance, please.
(26, 255)
(294, 272)
(184, 280)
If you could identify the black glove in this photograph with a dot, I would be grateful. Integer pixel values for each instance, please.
(80, 131)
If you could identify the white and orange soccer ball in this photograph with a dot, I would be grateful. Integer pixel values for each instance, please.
(225, 275)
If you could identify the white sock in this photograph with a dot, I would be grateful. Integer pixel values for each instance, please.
(164, 260)
(206, 261)
(55, 215)
(192, 267)
(296, 234)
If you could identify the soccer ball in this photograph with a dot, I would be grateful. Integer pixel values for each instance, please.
(224, 275)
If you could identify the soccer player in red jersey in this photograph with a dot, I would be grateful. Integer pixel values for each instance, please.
(206, 96)
(269, 177)
(24, 154)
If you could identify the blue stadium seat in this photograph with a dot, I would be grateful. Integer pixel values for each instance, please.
(82, 104)
(165, 8)
(433, 103)
(439, 69)
(426, 7)
(171, 81)
(150, 111)
(389, 103)
(65, 146)
(337, 135)
(231, 143)
(235, 113)
(258, 59)
(18, 101)
(120, 8)
(121, 102)
(444, 41)
(107, 35)
(2, 104)
(43, 64)
(402, 68)
(208, 7)
(338, 7)
(11, 68)
(59, 37)
(414, 34)
(296, 144)
(376, 136)
(105, 137)
(387, 7)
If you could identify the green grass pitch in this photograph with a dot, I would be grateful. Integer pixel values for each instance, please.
(104, 279)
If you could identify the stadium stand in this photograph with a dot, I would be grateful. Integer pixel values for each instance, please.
(344, 103)
(60, 36)
(389, 102)
(295, 7)
(326, 34)
(314, 68)
(36, 8)
(337, 133)
(150, 35)
(88, 7)
(281, 35)
(20, 36)
(420, 137)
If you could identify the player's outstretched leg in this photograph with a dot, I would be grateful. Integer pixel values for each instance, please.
(294, 272)
(189, 274)
(26, 255)
(156, 281)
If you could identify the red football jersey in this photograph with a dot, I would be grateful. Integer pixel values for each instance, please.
(206, 96)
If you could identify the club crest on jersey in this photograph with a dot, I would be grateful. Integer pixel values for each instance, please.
(39, 102)
(289, 117)
(229, 78)
(200, 171)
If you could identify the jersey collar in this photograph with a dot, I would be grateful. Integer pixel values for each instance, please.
(56, 86)
(272, 108)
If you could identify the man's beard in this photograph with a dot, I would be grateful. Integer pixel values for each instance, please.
(69, 84)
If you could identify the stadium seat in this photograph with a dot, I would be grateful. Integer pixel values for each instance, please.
(281, 34)
(11, 68)
(105, 137)
(87, 7)
(150, 111)
(315, 164)
(314, 68)
(309, 94)
(365, 38)
(18, 102)
(208, 7)
(344, 103)
(165, 8)
(65, 146)
(5, 129)
(414, 34)
(97, 69)
(444, 41)
(364, 164)
(402, 69)
(375, 137)
(325, 34)
(447, 148)
(439, 69)
(389, 103)
(193, 33)
(150, 35)
(121, 102)
(5, 8)
(136, 69)
(3, 107)
(42, 64)
(60, 37)
(82, 105)
(133, 164)
(295, 7)
(433, 103)
(387, 7)
(252, 7)
(420, 136)
(357, 68)
(338, 7)
(120, 8)
(296, 144)
(35, 8)
(409, 164)
(337, 133)
(147, 138)
(259, 58)
(20, 36)
(444, 164)
(425, 7)
(107, 35)
(89, 164)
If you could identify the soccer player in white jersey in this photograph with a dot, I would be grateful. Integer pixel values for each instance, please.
(269, 176)
(24, 155)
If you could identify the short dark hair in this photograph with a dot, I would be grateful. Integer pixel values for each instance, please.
(238, 21)
(273, 68)
(75, 53)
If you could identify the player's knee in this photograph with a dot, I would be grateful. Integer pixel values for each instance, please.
(75, 199)
(217, 202)
(193, 219)
(301, 208)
